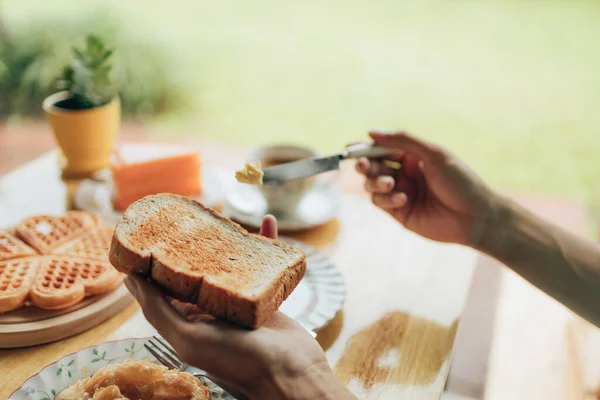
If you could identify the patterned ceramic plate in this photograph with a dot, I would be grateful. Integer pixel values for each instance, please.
(56, 377)
(320, 294)
(316, 300)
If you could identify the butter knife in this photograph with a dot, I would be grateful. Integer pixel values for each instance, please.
(306, 167)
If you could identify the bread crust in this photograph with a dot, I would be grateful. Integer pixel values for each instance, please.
(201, 290)
(263, 307)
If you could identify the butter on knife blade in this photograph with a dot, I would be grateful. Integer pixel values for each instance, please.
(252, 174)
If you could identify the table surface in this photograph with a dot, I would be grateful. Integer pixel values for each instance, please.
(394, 337)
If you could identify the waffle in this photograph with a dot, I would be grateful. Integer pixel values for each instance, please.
(55, 262)
(45, 233)
(63, 281)
(139, 380)
(94, 245)
(16, 279)
(11, 247)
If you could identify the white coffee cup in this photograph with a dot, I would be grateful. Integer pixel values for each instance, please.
(284, 198)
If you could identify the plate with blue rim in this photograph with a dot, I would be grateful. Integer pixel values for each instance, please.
(49, 382)
(315, 301)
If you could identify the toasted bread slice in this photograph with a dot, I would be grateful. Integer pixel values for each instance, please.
(16, 279)
(63, 281)
(12, 247)
(45, 232)
(93, 245)
(198, 256)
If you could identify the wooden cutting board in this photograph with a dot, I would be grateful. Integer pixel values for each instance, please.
(29, 326)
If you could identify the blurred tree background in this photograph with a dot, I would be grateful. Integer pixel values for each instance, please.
(512, 87)
(33, 54)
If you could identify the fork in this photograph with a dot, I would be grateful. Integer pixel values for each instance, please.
(167, 357)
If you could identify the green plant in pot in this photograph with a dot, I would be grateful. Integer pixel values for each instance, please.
(85, 114)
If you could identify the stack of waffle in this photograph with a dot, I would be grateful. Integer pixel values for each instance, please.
(55, 262)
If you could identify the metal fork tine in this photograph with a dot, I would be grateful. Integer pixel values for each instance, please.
(166, 346)
(175, 360)
(159, 357)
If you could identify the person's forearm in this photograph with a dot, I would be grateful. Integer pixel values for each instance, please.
(561, 264)
(316, 383)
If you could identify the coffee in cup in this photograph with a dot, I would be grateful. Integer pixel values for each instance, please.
(283, 198)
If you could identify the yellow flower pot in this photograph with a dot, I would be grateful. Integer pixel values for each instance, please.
(85, 137)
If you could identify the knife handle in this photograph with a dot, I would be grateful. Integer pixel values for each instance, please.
(367, 150)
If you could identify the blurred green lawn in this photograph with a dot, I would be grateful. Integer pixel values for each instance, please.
(512, 87)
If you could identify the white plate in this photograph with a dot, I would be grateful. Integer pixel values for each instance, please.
(56, 377)
(95, 195)
(319, 295)
(246, 205)
(314, 302)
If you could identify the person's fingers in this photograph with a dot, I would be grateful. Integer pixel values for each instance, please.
(373, 168)
(201, 317)
(401, 214)
(281, 321)
(269, 227)
(380, 168)
(155, 307)
(410, 166)
(186, 309)
(381, 184)
(406, 142)
(362, 165)
(413, 173)
(405, 184)
(390, 201)
(191, 340)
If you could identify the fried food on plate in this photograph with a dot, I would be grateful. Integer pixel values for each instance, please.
(136, 380)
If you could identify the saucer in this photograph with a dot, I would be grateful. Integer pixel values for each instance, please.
(247, 206)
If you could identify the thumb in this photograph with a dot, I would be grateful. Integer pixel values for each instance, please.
(269, 227)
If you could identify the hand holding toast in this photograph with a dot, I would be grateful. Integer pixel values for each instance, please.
(278, 360)
(432, 194)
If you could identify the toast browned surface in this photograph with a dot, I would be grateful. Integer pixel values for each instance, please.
(199, 256)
